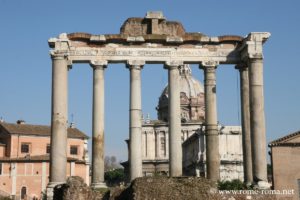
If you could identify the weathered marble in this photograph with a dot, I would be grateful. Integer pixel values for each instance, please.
(246, 131)
(154, 39)
(98, 125)
(135, 120)
(59, 122)
(211, 122)
(175, 151)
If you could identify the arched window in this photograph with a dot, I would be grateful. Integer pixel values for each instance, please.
(23, 192)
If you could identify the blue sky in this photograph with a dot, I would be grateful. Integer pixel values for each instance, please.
(25, 67)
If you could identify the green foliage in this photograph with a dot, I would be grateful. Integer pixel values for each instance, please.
(5, 198)
(114, 177)
(159, 174)
(231, 185)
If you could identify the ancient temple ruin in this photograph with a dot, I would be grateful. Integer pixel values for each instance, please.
(155, 40)
(155, 134)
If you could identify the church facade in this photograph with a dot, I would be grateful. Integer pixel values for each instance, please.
(155, 135)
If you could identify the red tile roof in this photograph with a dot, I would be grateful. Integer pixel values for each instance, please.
(283, 141)
(40, 130)
(37, 158)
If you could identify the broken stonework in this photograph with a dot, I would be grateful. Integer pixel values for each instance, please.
(75, 188)
(191, 188)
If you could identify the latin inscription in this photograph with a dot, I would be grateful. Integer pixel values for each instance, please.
(145, 53)
(121, 54)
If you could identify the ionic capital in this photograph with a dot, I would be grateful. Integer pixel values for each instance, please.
(209, 65)
(61, 55)
(98, 64)
(252, 54)
(58, 55)
(173, 64)
(135, 64)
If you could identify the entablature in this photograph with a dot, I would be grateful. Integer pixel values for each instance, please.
(153, 39)
(158, 54)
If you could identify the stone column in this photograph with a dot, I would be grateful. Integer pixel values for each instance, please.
(246, 136)
(252, 53)
(175, 149)
(59, 121)
(98, 124)
(211, 122)
(135, 119)
(258, 137)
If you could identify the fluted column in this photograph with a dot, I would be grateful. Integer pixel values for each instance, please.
(258, 129)
(175, 149)
(211, 122)
(246, 133)
(59, 120)
(98, 124)
(135, 119)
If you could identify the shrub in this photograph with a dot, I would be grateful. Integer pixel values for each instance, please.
(235, 184)
(114, 177)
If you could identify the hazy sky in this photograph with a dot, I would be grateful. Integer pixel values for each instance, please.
(25, 64)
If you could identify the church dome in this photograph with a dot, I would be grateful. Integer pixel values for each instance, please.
(191, 98)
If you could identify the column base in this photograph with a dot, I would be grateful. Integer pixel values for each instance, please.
(248, 184)
(262, 185)
(98, 185)
(50, 189)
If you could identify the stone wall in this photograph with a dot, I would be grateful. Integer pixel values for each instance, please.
(286, 173)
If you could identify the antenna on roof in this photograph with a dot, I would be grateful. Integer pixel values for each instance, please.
(72, 124)
(1, 119)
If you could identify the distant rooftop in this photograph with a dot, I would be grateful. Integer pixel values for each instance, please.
(286, 140)
(36, 158)
(40, 130)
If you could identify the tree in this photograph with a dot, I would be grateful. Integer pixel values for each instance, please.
(110, 163)
(106, 163)
(113, 162)
(114, 177)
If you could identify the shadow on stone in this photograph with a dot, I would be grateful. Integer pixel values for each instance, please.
(167, 188)
(191, 188)
(59, 191)
(164, 188)
(75, 188)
